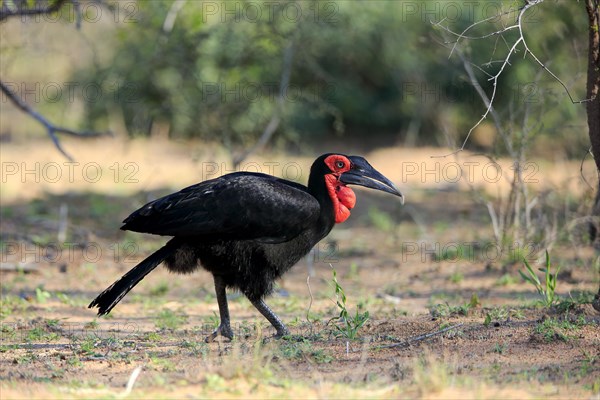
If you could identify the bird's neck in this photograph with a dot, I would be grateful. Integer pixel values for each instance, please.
(335, 198)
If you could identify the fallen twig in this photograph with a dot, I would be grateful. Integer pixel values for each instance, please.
(420, 337)
(132, 378)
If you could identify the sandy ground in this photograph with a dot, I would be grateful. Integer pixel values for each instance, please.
(418, 269)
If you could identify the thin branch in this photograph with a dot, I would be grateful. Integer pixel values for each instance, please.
(169, 23)
(311, 302)
(51, 129)
(581, 167)
(506, 62)
(131, 381)
(462, 34)
(419, 338)
(552, 74)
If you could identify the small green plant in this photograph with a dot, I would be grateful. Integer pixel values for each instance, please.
(27, 358)
(454, 252)
(39, 333)
(41, 295)
(197, 348)
(351, 324)
(587, 364)
(162, 364)
(570, 303)
(74, 361)
(214, 320)
(499, 348)
(445, 310)
(64, 298)
(215, 382)
(88, 346)
(552, 329)
(381, 220)
(153, 337)
(506, 280)
(303, 349)
(495, 314)
(457, 277)
(160, 290)
(91, 325)
(547, 290)
(167, 319)
(353, 273)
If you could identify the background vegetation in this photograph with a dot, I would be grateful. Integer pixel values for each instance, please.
(357, 69)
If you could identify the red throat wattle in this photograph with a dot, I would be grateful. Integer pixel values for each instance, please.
(342, 197)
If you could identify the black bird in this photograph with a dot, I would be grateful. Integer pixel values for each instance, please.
(247, 229)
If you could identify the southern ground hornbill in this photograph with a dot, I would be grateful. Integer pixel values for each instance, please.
(247, 229)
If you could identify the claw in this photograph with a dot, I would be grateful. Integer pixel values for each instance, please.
(222, 330)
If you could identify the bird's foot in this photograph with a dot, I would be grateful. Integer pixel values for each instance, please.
(223, 330)
(281, 332)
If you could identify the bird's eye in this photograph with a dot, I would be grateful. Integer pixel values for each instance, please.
(339, 164)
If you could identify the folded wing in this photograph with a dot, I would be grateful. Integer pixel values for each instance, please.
(239, 206)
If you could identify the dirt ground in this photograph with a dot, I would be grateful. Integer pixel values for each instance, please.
(448, 314)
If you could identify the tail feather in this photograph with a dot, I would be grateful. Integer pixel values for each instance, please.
(113, 294)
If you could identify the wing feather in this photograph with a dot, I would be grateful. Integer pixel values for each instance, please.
(240, 206)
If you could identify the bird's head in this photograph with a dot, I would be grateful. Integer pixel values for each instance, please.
(340, 170)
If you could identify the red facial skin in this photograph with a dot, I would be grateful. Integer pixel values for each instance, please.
(342, 197)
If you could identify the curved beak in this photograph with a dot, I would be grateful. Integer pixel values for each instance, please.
(363, 174)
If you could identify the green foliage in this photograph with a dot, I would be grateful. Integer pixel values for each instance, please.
(217, 77)
(351, 325)
(547, 290)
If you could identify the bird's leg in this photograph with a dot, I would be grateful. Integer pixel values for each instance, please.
(270, 315)
(224, 328)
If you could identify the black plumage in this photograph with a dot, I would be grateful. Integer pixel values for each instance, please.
(247, 229)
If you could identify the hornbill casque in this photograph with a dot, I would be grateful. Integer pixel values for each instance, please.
(247, 229)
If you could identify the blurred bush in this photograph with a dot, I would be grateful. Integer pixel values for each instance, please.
(358, 68)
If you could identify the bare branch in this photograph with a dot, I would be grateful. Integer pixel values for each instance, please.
(589, 152)
(462, 34)
(552, 73)
(420, 337)
(172, 15)
(489, 101)
(50, 127)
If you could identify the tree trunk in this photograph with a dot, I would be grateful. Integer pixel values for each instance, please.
(593, 106)
(593, 85)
